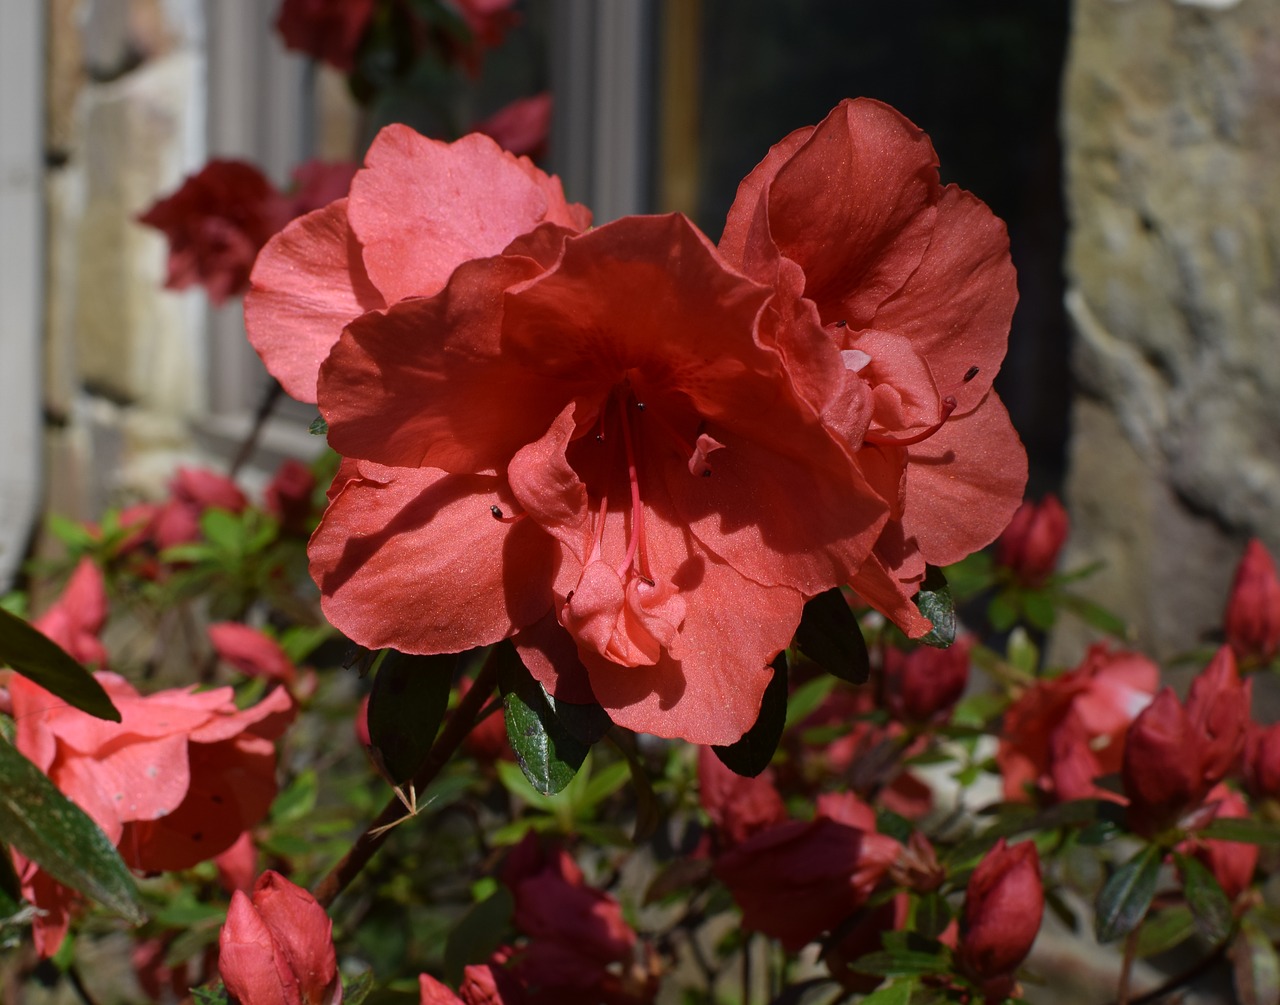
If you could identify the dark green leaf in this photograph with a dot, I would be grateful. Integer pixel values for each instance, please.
(1039, 609)
(829, 634)
(1124, 899)
(935, 603)
(40, 659)
(1256, 966)
(407, 704)
(10, 888)
(1206, 899)
(548, 754)
(904, 963)
(1164, 931)
(357, 989)
(209, 996)
(318, 426)
(46, 827)
(478, 933)
(1246, 830)
(751, 755)
(1002, 612)
(587, 723)
(933, 915)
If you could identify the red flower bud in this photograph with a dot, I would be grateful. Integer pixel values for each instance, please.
(798, 879)
(1174, 755)
(1231, 862)
(1262, 761)
(1030, 545)
(288, 497)
(738, 806)
(1252, 621)
(925, 684)
(1003, 907)
(277, 949)
(1161, 770)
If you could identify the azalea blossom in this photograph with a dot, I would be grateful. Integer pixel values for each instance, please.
(912, 282)
(176, 782)
(1063, 733)
(216, 222)
(584, 440)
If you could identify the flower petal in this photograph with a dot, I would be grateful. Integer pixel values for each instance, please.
(421, 207)
(412, 558)
(307, 284)
(964, 483)
(957, 306)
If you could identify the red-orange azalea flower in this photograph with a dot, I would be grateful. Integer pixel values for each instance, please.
(912, 282)
(173, 784)
(657, 488)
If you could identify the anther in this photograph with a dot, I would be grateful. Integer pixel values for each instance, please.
(707, 473)
(970, 373)
(640, 406)
(497, 513)
(842, 324)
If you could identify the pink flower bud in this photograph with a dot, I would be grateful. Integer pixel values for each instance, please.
(1252, 621)
(1030, 544)
(1231, 862)
(277, 949)
(1003, 907)
(925, 684)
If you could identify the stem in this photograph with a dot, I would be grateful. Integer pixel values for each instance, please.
(265, 407)
(1186, 977)
(746, 969)
(455, 731)
(1126, 967)
(77, 983)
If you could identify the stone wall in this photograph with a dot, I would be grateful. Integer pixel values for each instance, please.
(123, 365)
(1171, 124)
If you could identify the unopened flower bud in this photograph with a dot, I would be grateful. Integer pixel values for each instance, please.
(1252, 621)
(1003, 907)
(1030, 545)
(925, 684)
(277, 949)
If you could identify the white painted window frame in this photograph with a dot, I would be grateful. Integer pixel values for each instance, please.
(21, 275)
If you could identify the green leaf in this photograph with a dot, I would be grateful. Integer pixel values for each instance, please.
(297, 800)
(1255, 966)
(603, 784)
(42, 660)
(1093, 614)
(935, 603)
(10, 889)
(1002, 612)
(829, 634)
(357, 989)
(478, 933)
(407, 705)
(1164, 931)
(901, 963)
(1206, 899)
(752, 753)
(807, 697)
(1039, 609)
(933, 915)
(318, 426)
(587, 723)
(897, 993)
(548, 754)
(223, 529)
(46, 827)
(1245, 830)
(1124, 899)
(209, 996)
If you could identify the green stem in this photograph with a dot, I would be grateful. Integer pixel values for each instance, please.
(455, 730)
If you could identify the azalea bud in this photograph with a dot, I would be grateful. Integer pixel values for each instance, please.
(1252, 621)
(798, 879)
(924, 684)
(277, 949)
(1003, 907)
(1231, 862)
(1218, 707)
(288, 496)
(738, 806)
(1161, 770)
(1030, 545)
(1262, 761)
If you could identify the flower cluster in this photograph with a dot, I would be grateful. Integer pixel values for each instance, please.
(633, 452)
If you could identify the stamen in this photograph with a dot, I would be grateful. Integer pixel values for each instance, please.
(640, 406)
(842, 324)
(948, 406)
(599, 535)
(497, 514)
(637, 542)
(970, 373)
